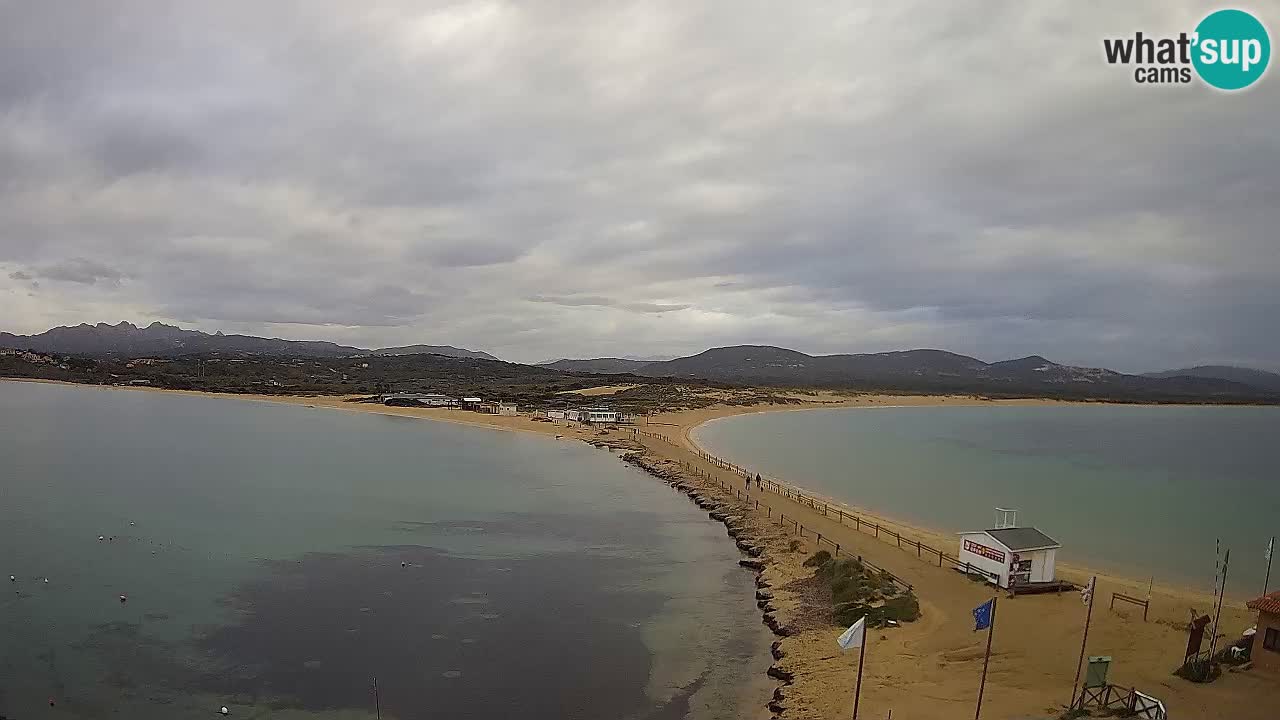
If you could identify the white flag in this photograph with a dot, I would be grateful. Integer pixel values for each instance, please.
(1087, 592)
(854, 636)
(1270, 546)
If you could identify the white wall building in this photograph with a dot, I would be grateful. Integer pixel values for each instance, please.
(599, 415)
(427, 399)
(1018, 555)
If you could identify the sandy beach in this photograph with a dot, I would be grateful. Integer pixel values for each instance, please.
(928, 668)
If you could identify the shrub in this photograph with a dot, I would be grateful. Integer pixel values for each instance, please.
(855, 592)
(822, 557)
(904, 608)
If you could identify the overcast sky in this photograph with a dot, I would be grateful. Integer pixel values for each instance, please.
(549, 178)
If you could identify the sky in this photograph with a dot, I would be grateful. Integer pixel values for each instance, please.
(552, 179)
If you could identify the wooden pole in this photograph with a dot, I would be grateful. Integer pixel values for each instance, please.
(1271, 551)
(991, 631)
(857, 689)
(1083, 641)
(1213, 642)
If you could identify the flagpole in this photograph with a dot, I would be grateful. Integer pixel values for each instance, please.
(991, 631)
(857, 690)
(1271, 551)
(1093, 584)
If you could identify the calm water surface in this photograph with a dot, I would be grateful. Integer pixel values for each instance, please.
(1135, 489)
(276, 559)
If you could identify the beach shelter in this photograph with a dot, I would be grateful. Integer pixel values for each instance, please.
(1006, 556)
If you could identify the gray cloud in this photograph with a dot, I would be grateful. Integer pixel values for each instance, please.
(78, 270)
(584, 179)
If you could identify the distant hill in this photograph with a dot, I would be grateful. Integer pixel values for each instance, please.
(606, 366)
(920, 371)
(759, 365)
(159, 340)
(446, 350)
(1260, 379)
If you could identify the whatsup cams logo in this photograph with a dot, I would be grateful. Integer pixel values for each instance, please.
(1228, 50)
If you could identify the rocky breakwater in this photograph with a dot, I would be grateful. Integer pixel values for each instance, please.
(790, 601)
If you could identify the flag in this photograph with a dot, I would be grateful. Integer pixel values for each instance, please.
(982, 615)
(854, 636)
(1087, 593)
(1270, 547)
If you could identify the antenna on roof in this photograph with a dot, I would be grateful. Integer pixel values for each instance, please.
(1006, 518)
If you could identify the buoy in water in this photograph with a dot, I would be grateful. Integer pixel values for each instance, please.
(12, 578)
(404, 564)
(101, 538)
(46, 581)
(51, 702)
(123, 598)
(223, 710)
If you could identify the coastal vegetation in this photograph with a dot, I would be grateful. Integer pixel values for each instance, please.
(858, 591)
(175, 358)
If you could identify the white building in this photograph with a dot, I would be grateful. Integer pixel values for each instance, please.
(412, 399)
(507, 409)
(599, 415)
(1010, 555)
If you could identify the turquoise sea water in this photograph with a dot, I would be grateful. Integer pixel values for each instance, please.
(276, 559)
(1142, 490)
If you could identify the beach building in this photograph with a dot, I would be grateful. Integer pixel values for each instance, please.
(471, 403)
(1266, 641)
(419, 399)
(556, 415)
(496, 408)
(598, 415)
(1010, 556)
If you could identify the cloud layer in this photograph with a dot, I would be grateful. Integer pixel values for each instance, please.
(598, 179)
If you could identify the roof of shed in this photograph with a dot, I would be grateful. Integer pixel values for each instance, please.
(1020, 539)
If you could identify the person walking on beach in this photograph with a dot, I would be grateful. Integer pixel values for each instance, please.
(759, 482)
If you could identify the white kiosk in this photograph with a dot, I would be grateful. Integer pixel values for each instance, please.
(1008, 555)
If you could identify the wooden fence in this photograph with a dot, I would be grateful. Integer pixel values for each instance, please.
(1119, 700)
(1146, 604)
(870, 527)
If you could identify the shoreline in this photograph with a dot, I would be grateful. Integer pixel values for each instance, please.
(922, 666)
(1078, 572)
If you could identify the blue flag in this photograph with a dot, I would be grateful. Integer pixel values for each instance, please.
(982, 615)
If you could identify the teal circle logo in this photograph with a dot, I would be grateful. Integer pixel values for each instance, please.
(1231, 49)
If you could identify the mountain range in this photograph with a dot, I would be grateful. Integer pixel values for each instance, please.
(446, 350)
(160, 340)
(1248, 376)
(934, 370)
(908, 370)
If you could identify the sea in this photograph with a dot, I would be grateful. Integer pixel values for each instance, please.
(1152, 492)
(172, 555)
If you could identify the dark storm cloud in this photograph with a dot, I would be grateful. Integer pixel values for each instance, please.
(577, 179)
